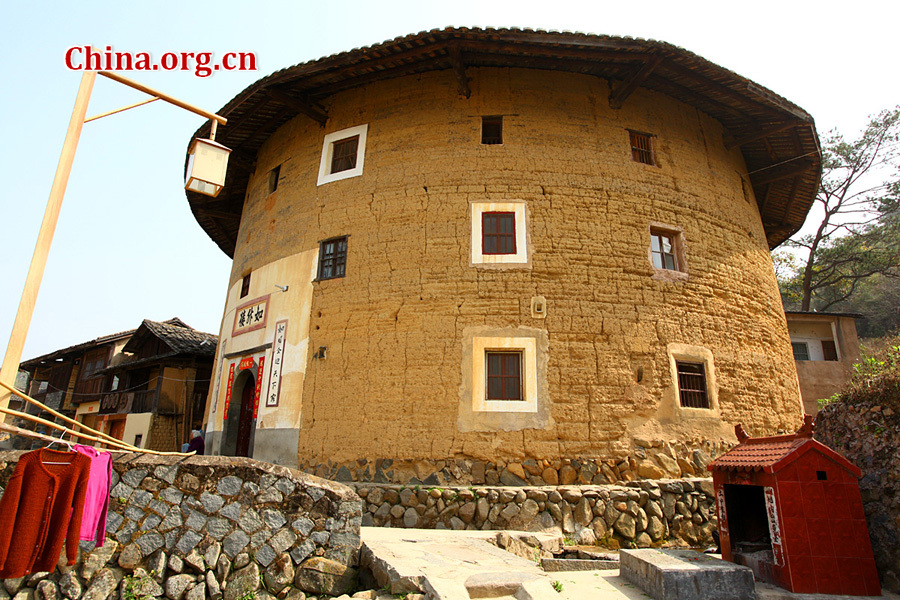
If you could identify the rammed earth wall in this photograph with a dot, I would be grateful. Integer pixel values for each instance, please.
(195, 524)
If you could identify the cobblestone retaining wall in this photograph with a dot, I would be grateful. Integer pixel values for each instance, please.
(187, 527)
(641, 513)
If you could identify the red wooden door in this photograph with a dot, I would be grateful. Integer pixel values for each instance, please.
(245, 423)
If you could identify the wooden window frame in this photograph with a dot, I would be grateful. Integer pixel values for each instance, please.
(693, 388)
(829, 350)
(506, 380)
(274, 175)
(498, 237)
(342, 158)
(661, 254)
(642, 147)
(335, 260)
(327, 163)
(492, 130)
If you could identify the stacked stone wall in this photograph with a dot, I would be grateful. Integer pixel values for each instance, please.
(208, 527)
(640, 514)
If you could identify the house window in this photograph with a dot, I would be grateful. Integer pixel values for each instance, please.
(343, 154)
(692, 384)
(498, 231)
(504, 375)
(641, 148)
(274, 174)
(245, 285)
(801, 350)
(333, 258)
(492, 130)
(499, 236)
(663, 250)
(829, 351)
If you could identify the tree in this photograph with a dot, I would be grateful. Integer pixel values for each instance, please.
(858, 235)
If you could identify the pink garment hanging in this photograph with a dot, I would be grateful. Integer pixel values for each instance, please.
(96, 500)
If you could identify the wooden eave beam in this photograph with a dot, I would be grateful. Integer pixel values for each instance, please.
(790, 169)
(396, 71)
(459, 69)
(221, 214)
(790, 203)
(311, 110)
(233, 125)
(733, 142)
(622, 91)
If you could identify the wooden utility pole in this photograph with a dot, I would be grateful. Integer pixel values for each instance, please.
(45, 236)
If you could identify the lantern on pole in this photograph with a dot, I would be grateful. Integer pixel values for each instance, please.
(207, 164)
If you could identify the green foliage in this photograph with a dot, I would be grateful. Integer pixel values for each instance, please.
(132, 585)
(248, 595)
(558, 586)
(567, 541)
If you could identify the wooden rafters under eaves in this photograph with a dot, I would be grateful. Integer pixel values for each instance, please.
(767, 130)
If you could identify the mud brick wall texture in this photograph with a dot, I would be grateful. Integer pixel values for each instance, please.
(188, 528)
(397, 325)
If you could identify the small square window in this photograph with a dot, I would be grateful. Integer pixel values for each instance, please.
(692, 384)
(641, 148)
(343, 156)
(333, 258)
(504, 375)
(498, 232)
(245, 285)
(274, 174)
(829, 350)
(663, 250)
(492, 130)
(821, 476)
(801, 350)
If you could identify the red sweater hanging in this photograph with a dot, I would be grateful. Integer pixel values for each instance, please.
(41, 508)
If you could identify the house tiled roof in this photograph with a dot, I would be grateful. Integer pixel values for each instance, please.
(181, 338)
(758, 454)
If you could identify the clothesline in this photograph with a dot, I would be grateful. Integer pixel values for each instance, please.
(98, 436)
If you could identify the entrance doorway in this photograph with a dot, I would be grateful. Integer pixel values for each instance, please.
(238, 437)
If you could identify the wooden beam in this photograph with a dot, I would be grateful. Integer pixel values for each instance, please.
(459, 68)
(790, 203)
(235, 124)
(221, 214)
(784, 171)
(732, 142)
(621, 92)
(311, 110)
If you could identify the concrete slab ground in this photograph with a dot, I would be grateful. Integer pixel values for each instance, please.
(463, 565)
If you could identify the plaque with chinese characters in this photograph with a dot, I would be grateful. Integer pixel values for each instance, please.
(251, 316)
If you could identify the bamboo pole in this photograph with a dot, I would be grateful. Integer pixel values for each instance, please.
(123, 109)
(69, 420)
(122, 445)
(40, 436)
(45, 236)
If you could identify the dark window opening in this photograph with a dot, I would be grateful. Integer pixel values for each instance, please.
(692, 384)
(829, 350)
(274, 174)
(245, 285)
(663, 251)
(641, 148)
(821, 476)
(492, 130)
(504, 375)
(498, 232)
(748, 521)
(333, 258)
(343, 154)
(801, 350)
(138, 439)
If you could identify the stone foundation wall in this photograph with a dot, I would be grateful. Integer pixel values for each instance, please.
(203, 526)
(640, 514)
(649, 459)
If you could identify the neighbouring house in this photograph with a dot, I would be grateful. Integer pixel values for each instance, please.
(825, 348)
(471, 255)
(146, 386)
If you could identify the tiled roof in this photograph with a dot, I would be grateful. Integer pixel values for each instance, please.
(759, 453)
(181, 338)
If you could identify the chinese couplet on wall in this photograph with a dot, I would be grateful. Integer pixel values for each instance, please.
(277, 362)
(259, 372)
(228, 390)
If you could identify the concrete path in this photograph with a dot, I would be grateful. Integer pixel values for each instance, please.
(463, 565)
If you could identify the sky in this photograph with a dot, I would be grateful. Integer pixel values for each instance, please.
(127, 247)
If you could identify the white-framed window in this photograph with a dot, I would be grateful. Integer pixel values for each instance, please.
(504, 374)
(694, 380)
(499, 233)
(343, 154)
(801, 350)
